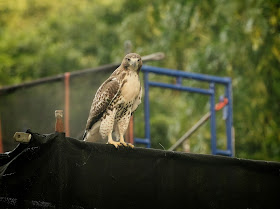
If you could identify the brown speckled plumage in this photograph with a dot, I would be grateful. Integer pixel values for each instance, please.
(114, 102)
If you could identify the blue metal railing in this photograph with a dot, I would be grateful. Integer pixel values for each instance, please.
(180, 75)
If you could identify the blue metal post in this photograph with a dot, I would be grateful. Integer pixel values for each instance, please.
(147, 139)
(147, 109)
(213, 120)
(229, 119)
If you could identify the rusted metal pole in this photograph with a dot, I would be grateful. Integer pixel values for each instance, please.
(130, 131)
(59, 126)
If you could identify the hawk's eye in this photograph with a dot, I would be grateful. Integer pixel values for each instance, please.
(138, 60)
(128, 59)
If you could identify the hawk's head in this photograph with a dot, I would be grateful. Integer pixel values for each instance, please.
(132, 62)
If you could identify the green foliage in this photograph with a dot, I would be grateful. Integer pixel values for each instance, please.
(239, 39)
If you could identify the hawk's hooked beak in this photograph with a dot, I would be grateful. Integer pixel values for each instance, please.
(134, 63)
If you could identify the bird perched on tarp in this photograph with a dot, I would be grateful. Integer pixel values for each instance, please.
(114, 102)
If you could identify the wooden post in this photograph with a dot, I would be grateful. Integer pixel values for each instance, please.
(59, 127)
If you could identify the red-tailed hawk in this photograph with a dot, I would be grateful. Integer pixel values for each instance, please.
(114, 102)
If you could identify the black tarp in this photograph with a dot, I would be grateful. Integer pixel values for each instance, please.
(54, 171)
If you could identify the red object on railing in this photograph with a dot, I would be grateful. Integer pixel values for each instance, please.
(221, 104)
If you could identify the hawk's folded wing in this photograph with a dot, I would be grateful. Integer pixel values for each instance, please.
(104, 96)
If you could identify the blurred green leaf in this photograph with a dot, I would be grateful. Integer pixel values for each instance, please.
(239, 39)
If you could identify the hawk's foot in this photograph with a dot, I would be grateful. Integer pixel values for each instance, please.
(130, 145)
(124, 144)
(127, 144)
(116, 144)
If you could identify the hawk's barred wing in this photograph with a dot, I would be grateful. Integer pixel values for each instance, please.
(103, 97)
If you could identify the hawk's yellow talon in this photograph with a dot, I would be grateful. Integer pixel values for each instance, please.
(124, 144)
(130, 145)
(116, 144)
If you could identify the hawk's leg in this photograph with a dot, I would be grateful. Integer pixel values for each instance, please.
(111, 141)
(122, 126)
(106, 127)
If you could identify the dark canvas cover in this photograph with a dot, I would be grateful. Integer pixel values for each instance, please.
(54, 171)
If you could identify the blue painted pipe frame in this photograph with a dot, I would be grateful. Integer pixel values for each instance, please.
(180, 75)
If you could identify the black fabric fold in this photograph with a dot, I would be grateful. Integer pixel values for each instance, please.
(54, 171)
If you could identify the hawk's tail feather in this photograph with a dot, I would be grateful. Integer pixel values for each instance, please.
(84, 135)
(93, 135)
